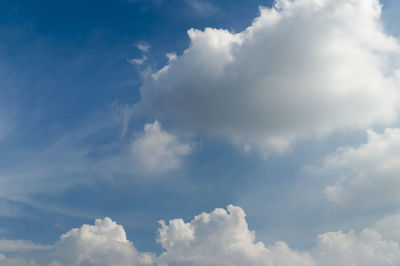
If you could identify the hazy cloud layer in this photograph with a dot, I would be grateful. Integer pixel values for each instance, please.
(221, 237)
(303, 68)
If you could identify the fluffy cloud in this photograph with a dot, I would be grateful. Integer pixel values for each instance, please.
(369, 174)
(367, 248)
(157, 150)
(102, 244)
(220, 237)
(303, 68)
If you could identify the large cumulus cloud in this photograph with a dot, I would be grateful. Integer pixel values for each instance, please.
(222, 238)
(303, 68)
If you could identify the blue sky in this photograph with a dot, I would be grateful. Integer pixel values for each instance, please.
(96, 121)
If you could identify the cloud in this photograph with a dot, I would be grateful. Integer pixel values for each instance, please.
(157, 150)
(221, 237)
(369, 174)
(303, 68)
(103, 243)
(5, 261)
(138, 61)
(144, 47)
(20, 246)
(352, 249)
(202, 7)
(389, 227)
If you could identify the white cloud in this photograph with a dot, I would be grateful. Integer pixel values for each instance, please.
(367, 248)
(103, 243)
(389, 227)
(144, 47)
(222, 238)
(369, 173)
(157, 150)
(202, 7)
(218, 238)
(7, 245)
(138, 61)
(303, 68)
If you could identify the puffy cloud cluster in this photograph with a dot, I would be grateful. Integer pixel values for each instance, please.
(157, 150)
(221, 237)
(369, 173)
(298, 71)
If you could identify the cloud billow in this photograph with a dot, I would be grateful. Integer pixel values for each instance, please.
(303, 68)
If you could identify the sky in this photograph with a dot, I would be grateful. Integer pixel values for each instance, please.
(188, 132)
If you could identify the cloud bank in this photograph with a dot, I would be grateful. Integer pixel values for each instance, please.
(303, 68)
(221, 237)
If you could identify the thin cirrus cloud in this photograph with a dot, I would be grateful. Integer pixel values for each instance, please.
(298, 71)
(221, 237)
(365, 172)
(159, 151)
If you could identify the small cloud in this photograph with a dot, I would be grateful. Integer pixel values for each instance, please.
(122, 114)
(202, 7)
(159, 151)
(138, 61)
(144, 47)
(171, 57)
